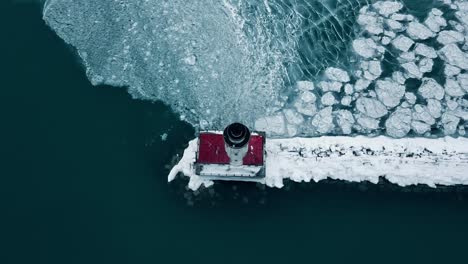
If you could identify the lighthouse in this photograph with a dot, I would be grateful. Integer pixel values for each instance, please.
(236, 153)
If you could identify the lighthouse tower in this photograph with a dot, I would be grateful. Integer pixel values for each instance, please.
(236, 140)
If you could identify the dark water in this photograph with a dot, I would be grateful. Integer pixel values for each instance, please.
(83, 180)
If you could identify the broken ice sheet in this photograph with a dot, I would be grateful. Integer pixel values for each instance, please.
(288, 67)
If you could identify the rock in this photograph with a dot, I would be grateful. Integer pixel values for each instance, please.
(418, 31)
(371, 107)
(435, 21)
(328, 99)
(323, 121)
(399, 123)
(419, 127)
(336, 74)
(345, 121)
(402, 43)
(452, 88)
(389, 92)
(305, 103)
(422, 114)
(367, 47)
(367, 123)
(450, 123)
(271, 125)
(305, 85)
(450, 36)
(330, 86)
(454, 56)
(412, 70)
(430, 89)
(387, 8)
(434, 108)
(424, 50)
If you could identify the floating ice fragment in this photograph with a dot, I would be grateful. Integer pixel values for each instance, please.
(328, 99)
(367, 123)
(452, 88)
(410, 98)
(463, 81)
(430, 89)
(402, 43)
(399, 123)
(434, 107)
(346, 100)
(305, 85)
(425, 65)
(387, 8)
(412, 70)
(450, 36)
(419, 31)
(435, 21)
(424, 50)
(421, 113)
(330, 86)
(420, 127)
(336, 74)
(394, 25)
(371, 22)
(361, 84)
(450, 123)
(348, 89)
(372, 69)
(305, 103)
(454, 56)
(345, 120)
(323, 121)
(367, 47)
(389, 92)
(450, 70)
(293, 117)
(271, 125)
(371, 107)
(399, 77)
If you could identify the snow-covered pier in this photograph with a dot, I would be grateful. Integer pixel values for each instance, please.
(407, 161)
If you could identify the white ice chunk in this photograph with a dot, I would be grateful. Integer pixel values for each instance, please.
(425, 65)
(336, 74)
(463, 81)
(450, 36)
(453, 88)
(402, 43)
(412, 70)
(426, 51)
(420, 127)
(387, 8)
(430, 89)
(371, 22)
(367, 47)
(421, 113)
(435, 21)
(450, 70)
(399, 77)
(434, 107)
(450, 123)
(305, 85)
(348, 89)
(399, 123)
(394, 25)
(271, 125)
(345, 120)
(371, 107)
(305, 103)
(373, 70)
(330, 86)
(454, 56)
(328, 99)
(323, 121)
(418, 31)
(367, 123)
(389, 92)
(346, 100)
(293, 117)
(410, 98)
(361, 84)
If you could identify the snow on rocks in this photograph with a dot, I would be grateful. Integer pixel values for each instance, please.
(430, 89)
(399, 123)
(418, 31)
(323, 121)
(389, 92)
(371, 107)
(452, 55)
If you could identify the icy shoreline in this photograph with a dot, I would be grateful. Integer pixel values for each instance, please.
(407, 161)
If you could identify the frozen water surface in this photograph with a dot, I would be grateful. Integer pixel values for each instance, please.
(290, 67)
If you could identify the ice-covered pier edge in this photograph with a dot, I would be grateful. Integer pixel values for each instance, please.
(406, 161)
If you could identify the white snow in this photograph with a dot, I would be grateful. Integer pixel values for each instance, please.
(407, 161)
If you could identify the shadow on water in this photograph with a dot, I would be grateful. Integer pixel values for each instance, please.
(83, 180)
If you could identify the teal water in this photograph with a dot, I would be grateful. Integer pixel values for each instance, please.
(83, 180)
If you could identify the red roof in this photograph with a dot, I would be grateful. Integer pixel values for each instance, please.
(211, 150)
